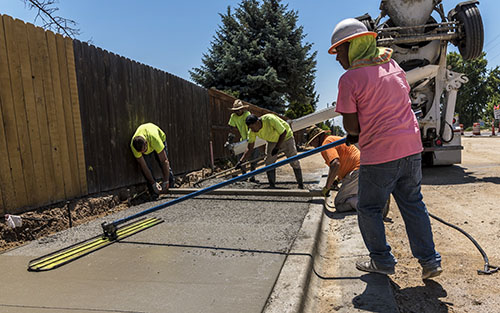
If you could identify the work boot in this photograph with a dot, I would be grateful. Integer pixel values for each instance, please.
(298, 177)
(371, 267)
(253, 179)
(271, 177)
(429, 272)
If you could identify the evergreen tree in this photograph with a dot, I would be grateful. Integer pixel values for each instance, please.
(258, 53)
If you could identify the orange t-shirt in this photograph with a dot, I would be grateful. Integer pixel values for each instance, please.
(347, 155)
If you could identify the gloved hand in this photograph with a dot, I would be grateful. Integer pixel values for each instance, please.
(157, 188)
(238, 165)
(165, 185)
(275, 151)
(325, 192)
(335, 185)
(351, 139)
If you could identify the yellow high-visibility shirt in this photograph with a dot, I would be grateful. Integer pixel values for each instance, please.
(272, 128)
(239, 122)
(154, 137)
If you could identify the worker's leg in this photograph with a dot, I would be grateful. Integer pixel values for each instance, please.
(270, 159)
(347, 197)
(254, 159)
(408, 196)
(290, 150)
(253, 163)
(376, 183)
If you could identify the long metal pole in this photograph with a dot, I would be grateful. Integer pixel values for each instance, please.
(110, 229)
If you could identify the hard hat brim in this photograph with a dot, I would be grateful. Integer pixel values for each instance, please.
(333, 49)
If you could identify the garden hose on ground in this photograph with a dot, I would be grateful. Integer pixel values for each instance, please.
(488, 269)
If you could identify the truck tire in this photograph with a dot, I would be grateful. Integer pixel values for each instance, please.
(470, 44)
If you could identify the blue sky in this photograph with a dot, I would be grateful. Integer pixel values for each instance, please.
(172, 35)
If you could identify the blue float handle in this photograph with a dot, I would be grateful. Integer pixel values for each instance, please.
(230, 181)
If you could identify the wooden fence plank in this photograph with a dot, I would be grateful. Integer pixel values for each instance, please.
(37, 181)
(62, 137)
(107, 171)
(77, 122)
(8, 133)
(37, 42)
(67, 112)
(86, 99)
(50, 106)
(26, 173)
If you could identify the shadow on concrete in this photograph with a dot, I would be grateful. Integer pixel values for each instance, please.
(421, 298)
(247, 198)
(337, 215)
(452, 175)
(175, 245)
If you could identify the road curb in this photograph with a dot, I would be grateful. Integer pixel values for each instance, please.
(291, 287)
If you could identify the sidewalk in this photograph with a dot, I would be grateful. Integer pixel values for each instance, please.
(320, 276)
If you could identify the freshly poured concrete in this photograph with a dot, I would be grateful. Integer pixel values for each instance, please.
(215, 254)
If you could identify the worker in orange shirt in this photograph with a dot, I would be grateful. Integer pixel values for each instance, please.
(343, 162)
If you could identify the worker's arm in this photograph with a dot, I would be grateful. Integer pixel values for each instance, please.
(351, 123)
(248, 151)
(332, 173)
(278, 144)
(145, 170)
(165, 167)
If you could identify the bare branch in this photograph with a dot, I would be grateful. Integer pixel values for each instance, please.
(45, 13)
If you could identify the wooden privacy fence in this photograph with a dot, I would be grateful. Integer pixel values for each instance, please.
(68, 111)
(116, 96)
(42, 158)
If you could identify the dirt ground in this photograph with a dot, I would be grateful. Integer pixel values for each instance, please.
(468, 196)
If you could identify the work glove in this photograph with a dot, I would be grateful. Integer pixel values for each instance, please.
(325, 191)
(238, 165)
(275, 151)
(157, 188)
(351, 139)
(335, 185)
(165, 185)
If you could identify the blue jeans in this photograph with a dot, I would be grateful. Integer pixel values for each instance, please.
(402, 178)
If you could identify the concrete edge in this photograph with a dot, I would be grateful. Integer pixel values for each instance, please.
(291, 287)
(360, 291)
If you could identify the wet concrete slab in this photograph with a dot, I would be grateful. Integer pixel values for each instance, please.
(214, 254)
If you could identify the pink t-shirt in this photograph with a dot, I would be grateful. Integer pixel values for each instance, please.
(380, 96)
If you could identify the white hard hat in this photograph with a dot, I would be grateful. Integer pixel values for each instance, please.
(347, 30)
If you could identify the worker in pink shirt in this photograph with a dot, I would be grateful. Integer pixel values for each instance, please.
(373, 99)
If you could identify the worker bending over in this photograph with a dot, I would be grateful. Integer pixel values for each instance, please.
(279, 136)
(237, 120)
(373, 98)
(150, 138)
(343, 162)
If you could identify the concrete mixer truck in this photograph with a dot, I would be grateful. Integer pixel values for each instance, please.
(420, 41)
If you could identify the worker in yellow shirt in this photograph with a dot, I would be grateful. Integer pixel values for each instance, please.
(150, 138)
(237, 120)
(279, 136)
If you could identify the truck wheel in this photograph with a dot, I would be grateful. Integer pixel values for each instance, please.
(470, 43)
